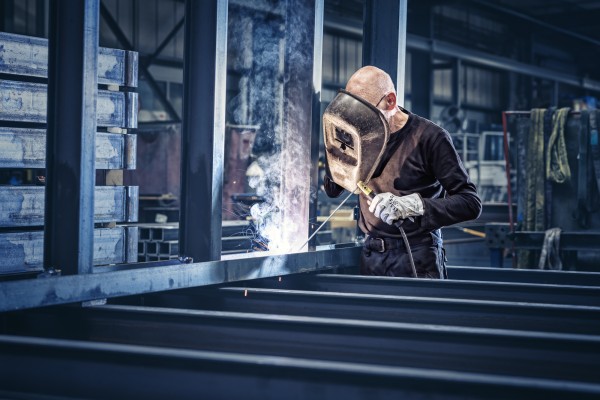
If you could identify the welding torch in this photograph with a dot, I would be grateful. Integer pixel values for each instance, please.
(371, 195)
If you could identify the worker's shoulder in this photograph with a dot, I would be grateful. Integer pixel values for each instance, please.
(428, 129)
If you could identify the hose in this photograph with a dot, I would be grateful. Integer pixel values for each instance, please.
(408, 250)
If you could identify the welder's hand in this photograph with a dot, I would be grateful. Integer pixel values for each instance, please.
(390, 208)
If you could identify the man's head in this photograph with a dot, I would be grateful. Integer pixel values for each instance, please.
(375, 86)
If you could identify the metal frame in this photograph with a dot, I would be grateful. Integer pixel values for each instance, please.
(147, 61)
(376, 343)
(137, 280)
(122, 38)
(70, 144)
(143, 372)
(203, 129)
(439, 288)
(389, 308)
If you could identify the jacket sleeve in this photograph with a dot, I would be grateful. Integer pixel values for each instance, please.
(461, 202)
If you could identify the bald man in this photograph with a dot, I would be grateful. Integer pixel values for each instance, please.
(420, 180)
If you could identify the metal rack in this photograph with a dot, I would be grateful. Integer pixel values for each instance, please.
(23, 143)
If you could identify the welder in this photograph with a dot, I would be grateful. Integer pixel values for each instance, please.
(410, 163)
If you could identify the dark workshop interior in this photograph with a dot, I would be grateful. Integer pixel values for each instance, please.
(165, 224)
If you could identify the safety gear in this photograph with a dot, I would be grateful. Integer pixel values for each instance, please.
(390, 208)
(355, 135)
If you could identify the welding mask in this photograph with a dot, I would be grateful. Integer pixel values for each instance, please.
(355, 134)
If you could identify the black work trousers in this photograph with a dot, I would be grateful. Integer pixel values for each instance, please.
(389, 257)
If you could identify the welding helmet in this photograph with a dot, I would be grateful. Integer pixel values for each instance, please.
(355, 134)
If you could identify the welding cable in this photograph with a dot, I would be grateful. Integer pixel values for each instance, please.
(408, 250)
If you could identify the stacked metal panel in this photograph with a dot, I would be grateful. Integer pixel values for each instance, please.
(23, 100)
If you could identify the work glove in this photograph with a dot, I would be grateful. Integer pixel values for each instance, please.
(390, 208)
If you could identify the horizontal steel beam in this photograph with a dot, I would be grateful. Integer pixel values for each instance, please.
(415, 42)
(28, 56)
(381, 343)
(26, 102)
(24, 205)
(26, 148)
(450, 289)
(68, 289)
(524, 276)
(37, 366)
(417, 310)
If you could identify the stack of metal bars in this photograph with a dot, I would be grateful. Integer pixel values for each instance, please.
(158, 242)
(485, 333)
(23, 98)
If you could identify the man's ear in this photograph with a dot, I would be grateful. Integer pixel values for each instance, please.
(390, 101)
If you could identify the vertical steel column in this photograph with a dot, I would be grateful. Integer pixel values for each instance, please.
(422, 71)
(316, 118)
(203, 129)
(384, 39)
(70, 144)
(299, 92)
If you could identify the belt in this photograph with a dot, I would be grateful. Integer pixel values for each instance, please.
(382, 245)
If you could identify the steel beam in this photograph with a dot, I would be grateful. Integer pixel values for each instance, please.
(418, 310)
(447, 289)
(299, 69)
(37, 367)
(550, 26)
(524, 276)
(30, 293)
(384, 39)
(442, 48)
(150, 59)
(70, 143)
(379, 343)
(116, 30)
(203, 129)
(317, 78)
(439, 47)
(421, 95)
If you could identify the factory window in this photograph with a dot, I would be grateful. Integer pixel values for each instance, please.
(341, 57)
(482, 88)
(442, 84)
